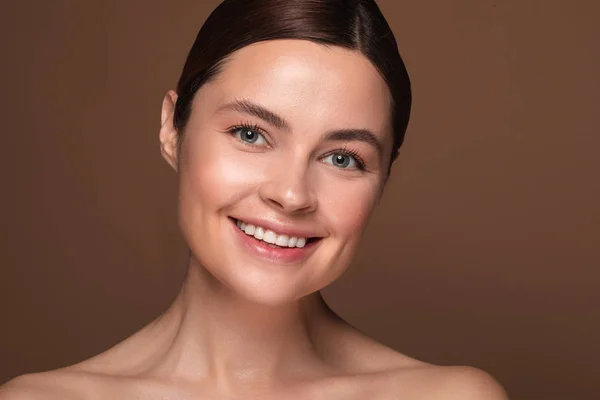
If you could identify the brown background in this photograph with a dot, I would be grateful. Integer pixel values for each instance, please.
(484, 251)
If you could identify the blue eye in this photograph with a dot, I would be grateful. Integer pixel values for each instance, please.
(249, 135)
(342, 160)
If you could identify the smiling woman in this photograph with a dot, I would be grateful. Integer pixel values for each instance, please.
(282, 130)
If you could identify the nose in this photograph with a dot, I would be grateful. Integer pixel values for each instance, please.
(289, 191)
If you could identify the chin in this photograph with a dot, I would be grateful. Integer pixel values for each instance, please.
(268, 283)
(270, 296)
(271, 285)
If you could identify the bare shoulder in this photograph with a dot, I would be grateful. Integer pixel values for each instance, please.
(468, 383)
(431, 382)
(51, 385)
(27, 387)
(393, 375)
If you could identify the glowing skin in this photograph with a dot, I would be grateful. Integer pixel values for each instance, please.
(249, 321)
(287, 177)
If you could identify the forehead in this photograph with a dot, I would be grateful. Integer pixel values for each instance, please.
(311, 85)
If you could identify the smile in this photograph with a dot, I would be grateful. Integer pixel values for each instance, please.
(271, 237)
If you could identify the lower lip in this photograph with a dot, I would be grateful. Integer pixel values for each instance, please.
(285, 255)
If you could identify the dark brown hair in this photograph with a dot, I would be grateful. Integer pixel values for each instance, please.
(352, 24)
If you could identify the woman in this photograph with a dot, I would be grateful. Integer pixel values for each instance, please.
(282, 130)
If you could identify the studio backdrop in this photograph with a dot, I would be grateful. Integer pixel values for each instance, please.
(484, 251)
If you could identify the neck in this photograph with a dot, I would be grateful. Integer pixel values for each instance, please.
(212, 332)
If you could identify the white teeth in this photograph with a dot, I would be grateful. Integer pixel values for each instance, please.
(250, 230)
(282, 240)
(292, 241)
(270, 236)
(259, 233)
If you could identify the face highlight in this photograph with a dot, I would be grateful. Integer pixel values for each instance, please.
(284, 157)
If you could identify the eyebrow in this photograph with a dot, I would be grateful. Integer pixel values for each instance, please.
(247, 107)
(362, 135)
(256, 110)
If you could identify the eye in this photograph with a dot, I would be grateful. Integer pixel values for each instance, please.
(249, 135)
(343, 160)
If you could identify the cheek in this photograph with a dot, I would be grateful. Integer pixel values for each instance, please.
(347, 206)
(214, 174)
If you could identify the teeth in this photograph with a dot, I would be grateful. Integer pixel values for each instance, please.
(292, 241)
(250, 230)
(282, 240)
(270, 236)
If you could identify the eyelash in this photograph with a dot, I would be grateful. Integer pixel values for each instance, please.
(360, 163)
(249, 127)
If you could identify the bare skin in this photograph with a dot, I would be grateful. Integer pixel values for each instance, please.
(249, 322)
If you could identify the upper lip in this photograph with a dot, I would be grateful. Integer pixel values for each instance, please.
(282, 228)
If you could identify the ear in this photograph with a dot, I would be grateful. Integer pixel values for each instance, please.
(168, 133)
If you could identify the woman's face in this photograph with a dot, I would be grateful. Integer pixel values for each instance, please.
(290, 145)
